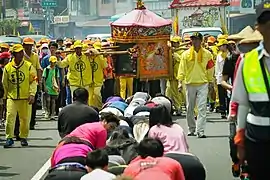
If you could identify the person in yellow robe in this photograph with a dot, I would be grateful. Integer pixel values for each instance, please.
(98, 64)
(20, 86)
(79, 68)
(172, 92)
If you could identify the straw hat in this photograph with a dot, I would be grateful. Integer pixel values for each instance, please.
(246, 32)
(253, 38)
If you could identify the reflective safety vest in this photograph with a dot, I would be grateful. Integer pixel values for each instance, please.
(256, 89)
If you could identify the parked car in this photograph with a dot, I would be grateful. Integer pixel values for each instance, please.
(10, 39)
(98, 36)
(35, 37)
(213, 31)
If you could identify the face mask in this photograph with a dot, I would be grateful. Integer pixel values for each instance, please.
(45, 51)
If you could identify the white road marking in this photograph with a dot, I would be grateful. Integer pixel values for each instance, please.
(40, 175)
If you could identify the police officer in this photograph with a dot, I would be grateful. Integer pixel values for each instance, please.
(252, 92)
(20, 86)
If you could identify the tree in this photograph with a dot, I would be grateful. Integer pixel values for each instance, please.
(9, 26)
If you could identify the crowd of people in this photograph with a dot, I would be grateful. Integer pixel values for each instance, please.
(110, 134)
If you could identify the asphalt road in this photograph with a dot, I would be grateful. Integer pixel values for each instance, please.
(22, 163)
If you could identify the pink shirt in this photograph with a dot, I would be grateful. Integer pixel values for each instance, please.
(69, 150)
(173, 138)
(95, 133)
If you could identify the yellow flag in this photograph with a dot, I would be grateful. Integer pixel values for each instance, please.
(223, 25)
(18, 33)
(31, 28)
(175, 26)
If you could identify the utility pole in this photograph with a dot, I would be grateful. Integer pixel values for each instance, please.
(3, 9)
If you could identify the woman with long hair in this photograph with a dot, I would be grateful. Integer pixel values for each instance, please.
(170, 134)
(222, 93)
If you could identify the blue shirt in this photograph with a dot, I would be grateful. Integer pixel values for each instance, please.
(121, 106)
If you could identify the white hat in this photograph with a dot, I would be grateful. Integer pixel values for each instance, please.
(45, 45)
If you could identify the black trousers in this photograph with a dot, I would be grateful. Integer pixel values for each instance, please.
(233, 146)
(17, 126)
(65, 175)
(222, 95)
(61, 101)
(34, 112)
(107, 89)
(192, 167)
(258, 158)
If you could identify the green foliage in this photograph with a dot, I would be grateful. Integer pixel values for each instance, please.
(9, 26)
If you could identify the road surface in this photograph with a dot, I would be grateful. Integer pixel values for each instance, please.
(23, 163)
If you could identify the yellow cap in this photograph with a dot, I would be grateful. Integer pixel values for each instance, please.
(17, 48)
(222, 42)
(97, 45)
(53, 59)
(176, 39)
(77, 44)
(110, 40)
(187, 37)
(85, 47)
(38, 44)
(28, 40)
(4, 45)
(222, 36)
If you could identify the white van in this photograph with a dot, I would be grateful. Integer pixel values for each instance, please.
(98, 36)
(213, 31)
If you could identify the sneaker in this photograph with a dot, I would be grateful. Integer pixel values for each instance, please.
(24, 142)
(244, 172)
(9, 143)
(223, 116)
(52, 118)
(46, 116)
(191, 134)
(17, 138)
(236, 170)
(201, 136)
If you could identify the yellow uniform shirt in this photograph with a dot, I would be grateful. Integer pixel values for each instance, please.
(19, 82)
(79, 69)
(194, 72)
(176, 62)
(98, 63)
(34, 60)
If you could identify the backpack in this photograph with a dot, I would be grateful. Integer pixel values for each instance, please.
(48, 71)
(47, 74)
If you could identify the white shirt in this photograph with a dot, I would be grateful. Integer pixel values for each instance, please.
(98, 174)
(219, 68)
(111, 110)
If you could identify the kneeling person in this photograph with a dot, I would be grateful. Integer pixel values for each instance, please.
(97, 165)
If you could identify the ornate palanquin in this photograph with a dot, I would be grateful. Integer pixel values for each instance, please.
(150, 32)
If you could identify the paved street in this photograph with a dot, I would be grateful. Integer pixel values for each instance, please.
(22, 163)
